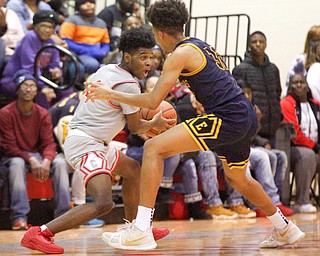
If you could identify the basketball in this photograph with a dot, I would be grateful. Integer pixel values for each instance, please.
(168, 111)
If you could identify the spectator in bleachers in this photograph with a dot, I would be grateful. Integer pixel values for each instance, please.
(59, 7)
(278, 158)
(189, 187)
(114, 15)
(312, 66)
(12, 27)
(298, 64)
(3, 30)
(261, 170)
(263, 76)
(303, 111)
(137, 11)
(87, 36)
(25, 9)
(130, 21)
(28, 145)
(44, 23)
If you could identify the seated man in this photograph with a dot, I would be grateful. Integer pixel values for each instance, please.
(87, 36)
(44, 23)
(28, 145)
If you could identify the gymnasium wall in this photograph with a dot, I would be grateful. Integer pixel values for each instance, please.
(285, 22)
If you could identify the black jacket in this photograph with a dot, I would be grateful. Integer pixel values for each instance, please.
(266, 91)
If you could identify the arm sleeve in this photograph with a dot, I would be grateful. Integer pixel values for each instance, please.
(130, 87)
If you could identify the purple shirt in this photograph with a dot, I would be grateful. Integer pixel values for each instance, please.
(24, 57)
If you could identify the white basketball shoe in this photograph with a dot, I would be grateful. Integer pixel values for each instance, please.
(290, 235)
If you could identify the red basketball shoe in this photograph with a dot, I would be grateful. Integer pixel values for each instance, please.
(159, 233)
(42, 241)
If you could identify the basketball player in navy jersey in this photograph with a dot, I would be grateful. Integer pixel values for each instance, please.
(227, 127)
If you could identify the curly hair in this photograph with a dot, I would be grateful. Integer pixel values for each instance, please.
(168, 15)
(135, 38)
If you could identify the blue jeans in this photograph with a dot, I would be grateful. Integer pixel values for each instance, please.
(261, 167)
(18, 170)
(170, 164)
(205, 166)
(279, 162)
(189, 185)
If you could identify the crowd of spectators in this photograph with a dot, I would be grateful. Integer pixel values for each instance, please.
(33, 125)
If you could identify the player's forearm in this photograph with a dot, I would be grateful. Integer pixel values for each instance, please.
(143, 100)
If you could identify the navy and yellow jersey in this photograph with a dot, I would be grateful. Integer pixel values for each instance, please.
(212, 83)
(61, 114)
(65, 107)
(231, 121)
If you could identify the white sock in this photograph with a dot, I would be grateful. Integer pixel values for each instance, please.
(144, 218)
(279, 220)
(43, 227)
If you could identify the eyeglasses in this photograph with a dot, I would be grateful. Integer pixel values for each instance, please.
(32, 88)
(43, 26)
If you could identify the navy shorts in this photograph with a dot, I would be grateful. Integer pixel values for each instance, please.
(228, 131)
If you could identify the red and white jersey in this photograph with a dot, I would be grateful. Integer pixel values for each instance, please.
(103, 120)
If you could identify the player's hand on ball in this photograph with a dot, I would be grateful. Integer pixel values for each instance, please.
(161, 123)
(97, 91)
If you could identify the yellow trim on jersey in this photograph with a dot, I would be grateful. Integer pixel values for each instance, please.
(193, 137)
(234, 165)
(204, 63)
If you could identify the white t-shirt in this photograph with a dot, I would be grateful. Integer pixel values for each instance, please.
(313, 79)
(308, 122)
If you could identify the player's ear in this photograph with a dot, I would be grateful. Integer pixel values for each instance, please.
(126, 57)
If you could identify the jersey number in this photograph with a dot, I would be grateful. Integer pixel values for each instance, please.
(217, 58)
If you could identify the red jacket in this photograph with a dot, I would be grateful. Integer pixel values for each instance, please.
(289, 109)
(21, 134)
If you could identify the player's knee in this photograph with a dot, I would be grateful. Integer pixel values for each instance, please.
(151, 147)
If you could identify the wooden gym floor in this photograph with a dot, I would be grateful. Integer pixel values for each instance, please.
(204, 237)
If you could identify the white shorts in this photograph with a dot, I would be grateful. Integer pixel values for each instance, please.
(90, 157)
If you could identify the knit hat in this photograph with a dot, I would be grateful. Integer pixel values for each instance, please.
(21, 76)
(45, 16)
(81, 2)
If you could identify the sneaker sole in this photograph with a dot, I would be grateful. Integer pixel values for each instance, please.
(91, 226)
(124, 247)
(297, 238)
(224, 217)
(247, 216)
(33, 246)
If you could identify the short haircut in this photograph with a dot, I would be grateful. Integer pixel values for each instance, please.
(135, 38)
(168, 16)
(257, 33)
